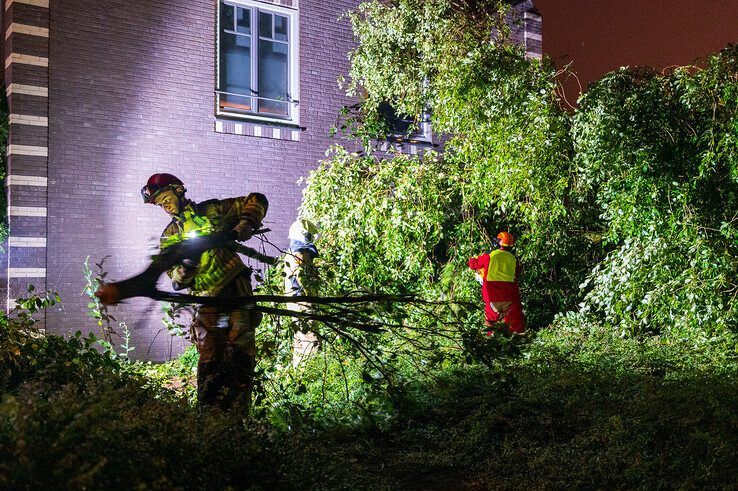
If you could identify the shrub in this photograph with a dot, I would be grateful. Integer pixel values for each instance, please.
(659, 155)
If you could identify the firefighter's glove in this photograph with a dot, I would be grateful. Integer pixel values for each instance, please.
(108, 294)
(242, 231)
(191, 262)
(177, 286)
(184, 274)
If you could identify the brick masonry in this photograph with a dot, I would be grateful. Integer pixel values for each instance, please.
(127, 91)
(526, 29)
(26, 54)
(132, 93)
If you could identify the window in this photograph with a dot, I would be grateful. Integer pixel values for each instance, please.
(404, 128)
(257, 61)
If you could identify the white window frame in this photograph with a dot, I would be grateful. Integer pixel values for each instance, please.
(293, 63)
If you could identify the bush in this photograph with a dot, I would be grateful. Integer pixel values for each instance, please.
(626, 381)
(659, 155)
(71, 416)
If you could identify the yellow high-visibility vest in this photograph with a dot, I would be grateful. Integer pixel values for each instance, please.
(502, 265)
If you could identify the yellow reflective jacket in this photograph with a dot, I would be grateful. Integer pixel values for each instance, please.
(502, 266)
(218, 266)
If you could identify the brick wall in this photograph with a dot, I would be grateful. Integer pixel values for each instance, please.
(26, 52)
(526, 28)
(131, 93)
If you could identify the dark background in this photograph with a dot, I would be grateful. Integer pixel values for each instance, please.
(598, 36)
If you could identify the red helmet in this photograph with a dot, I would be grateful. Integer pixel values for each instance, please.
(506, 239)
(158, 183)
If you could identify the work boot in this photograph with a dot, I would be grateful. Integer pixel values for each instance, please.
(237, 394)
(211, 380)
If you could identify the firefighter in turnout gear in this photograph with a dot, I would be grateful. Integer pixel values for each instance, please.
(298, 273)
(500, 272)
(224, 338)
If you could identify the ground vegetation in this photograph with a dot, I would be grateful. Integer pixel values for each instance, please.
(626, 216)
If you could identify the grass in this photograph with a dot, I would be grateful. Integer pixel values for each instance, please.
(558, 414)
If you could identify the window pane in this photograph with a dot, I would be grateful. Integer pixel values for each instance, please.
(243, 20)
(265, 25)
(226, 17)
(396, 124)
(235, 70)
(273, 77)
(280, 28)
(235, 103)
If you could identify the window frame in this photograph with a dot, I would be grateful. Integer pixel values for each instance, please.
(424, 133)
(293, 61)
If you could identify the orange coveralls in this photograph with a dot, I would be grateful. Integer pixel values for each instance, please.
(500, 272)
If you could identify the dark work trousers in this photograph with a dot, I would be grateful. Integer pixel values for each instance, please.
(227, 349)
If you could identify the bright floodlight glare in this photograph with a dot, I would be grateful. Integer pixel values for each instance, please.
(192, 234)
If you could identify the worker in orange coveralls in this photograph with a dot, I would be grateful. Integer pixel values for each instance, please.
(500, 272)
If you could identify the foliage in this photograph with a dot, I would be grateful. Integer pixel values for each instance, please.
(403, 53)
(632, 198)
(28, 353)
(71, 416)
(99, 311)
(178, 375)
(172, 318)
(553, 422)
(624, 211)
(626, 381)
(659, 154)
(506, 161)
(95, 308)
(582, 407)
(407, 224)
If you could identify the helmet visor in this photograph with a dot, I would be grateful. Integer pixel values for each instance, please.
(151, 191)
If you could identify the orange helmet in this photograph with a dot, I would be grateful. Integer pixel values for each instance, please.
(506, 239)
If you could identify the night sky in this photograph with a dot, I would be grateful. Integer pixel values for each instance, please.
(598, 36)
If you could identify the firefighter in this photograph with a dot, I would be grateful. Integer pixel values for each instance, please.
(224, 338)
(298, 273)
(500, 272)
